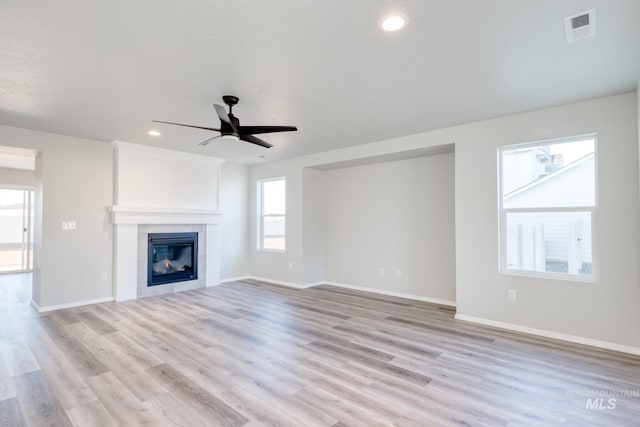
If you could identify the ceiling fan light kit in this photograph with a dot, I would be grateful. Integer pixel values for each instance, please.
(229, 138)
(230, 128)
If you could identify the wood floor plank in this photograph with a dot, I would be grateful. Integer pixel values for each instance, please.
(66, 383)
(175, 412)
(123, 406)
(93, 414)
(342, 409)
(11, 414)
(38, 403)
(186, 389)
(256, 409)
(130, 371)
(6, 384)
(95, 323)
(18, 356)
(298, 412)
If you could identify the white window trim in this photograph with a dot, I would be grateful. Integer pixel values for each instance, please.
(594, 277)
(261, 216)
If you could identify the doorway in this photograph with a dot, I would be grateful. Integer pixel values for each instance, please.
(16, 230)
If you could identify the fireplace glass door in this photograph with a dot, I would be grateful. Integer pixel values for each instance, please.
(172, 258)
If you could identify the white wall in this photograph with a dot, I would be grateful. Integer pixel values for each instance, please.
(394, 216)
(284, 267)
(608, 310)
(314, 227)
(234, 202)
(74, 181)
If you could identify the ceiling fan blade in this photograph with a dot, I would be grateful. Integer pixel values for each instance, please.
(252, 139)
(250, 130)
(189, 126)
(224, 117)
(209, 140)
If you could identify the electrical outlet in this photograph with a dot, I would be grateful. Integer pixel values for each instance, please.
(290, 266)
(512, 295)
(399, 272)
(382, 271)
(103, 277)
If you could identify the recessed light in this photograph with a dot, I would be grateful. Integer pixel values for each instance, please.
(394, 22)
(154, 132)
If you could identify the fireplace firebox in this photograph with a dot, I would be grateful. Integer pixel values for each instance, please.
(173, 257)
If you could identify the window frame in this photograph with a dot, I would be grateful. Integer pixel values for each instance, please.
(593, 210)
(262, 215)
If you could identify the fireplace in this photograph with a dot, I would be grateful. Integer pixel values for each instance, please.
(173, 257)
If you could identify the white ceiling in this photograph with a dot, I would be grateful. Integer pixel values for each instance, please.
(105, 69)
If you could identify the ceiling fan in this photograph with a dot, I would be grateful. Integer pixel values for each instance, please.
(230, 126)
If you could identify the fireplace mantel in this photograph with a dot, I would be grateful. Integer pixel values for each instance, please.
(156, 215)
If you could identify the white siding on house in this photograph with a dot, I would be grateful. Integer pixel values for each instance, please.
(560, 231)
(572, 186)
(555, 236)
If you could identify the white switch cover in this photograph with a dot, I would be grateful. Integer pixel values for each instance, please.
(68, 225)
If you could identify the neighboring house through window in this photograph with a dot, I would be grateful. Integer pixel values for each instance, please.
(272, 214)
(548, 208)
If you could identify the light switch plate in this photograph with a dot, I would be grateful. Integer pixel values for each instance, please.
(68, 225)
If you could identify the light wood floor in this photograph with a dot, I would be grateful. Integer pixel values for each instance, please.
(255, 354)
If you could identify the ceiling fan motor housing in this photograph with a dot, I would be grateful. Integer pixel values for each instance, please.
(230, 100)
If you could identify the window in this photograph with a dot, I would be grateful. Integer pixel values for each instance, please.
(547, 198)
(271, 214)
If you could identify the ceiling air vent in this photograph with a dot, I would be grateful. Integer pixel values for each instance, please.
(580, 26)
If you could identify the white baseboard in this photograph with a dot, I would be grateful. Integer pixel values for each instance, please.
(394, 294)
(235, 279)
(311, 285)
(69, 305)
(282, 283)
(549, 334)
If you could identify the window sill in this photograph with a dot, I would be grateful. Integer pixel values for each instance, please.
(565, 277)
(276, 251)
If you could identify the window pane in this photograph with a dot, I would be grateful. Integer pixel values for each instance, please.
(557, 242)
(273, 226)
(273, 232)
(549, 175)
(273, 197)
